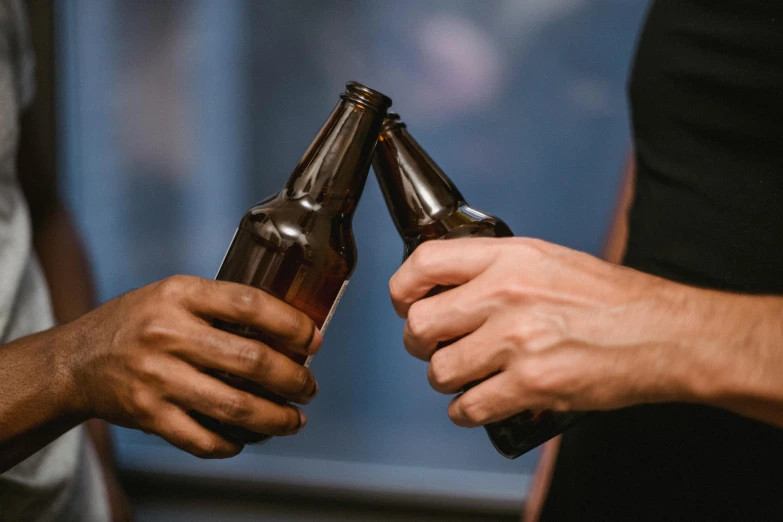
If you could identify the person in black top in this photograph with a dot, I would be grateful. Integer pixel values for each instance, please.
(680, 350)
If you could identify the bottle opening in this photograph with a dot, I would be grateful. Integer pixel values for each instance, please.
(363, 95)
(392, 121)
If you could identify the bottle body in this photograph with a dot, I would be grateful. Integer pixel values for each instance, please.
(302, 257)
(298, 245)
(425, 205)
(307, 266)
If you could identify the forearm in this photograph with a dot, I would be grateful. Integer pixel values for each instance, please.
(38, 401)
(735, 353)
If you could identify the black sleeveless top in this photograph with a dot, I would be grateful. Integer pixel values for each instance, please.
(706, 97)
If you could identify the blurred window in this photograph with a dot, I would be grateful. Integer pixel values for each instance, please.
(178, 115)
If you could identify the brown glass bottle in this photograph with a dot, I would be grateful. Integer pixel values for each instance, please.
(298, 245)
(425, 205)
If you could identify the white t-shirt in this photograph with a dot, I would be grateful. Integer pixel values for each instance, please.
(62, 481)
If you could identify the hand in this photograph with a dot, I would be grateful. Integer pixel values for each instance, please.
(137, 362)
(549, 328)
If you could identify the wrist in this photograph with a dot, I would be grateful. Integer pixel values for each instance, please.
(730, 344)
(70, 372)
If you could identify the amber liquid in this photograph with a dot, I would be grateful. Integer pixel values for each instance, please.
(299, 255)
(298, 245)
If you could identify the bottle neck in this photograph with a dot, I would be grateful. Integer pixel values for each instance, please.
(333, 170)
(416, 190)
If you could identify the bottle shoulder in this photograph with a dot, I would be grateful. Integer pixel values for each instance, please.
(463, 222)
(281, 223)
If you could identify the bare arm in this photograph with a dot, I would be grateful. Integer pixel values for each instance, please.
(613, 251)
(38, 402)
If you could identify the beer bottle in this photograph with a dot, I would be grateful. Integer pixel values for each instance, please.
(298, 245)
(424, 205)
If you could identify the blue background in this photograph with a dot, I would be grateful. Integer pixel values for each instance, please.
(177, 116)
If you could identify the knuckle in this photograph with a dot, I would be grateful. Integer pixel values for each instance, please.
(138, 406)
(561, 405)
(252, 359)
(531, 244)
(504, 354)
(205, 448)
(417, 320)
(245, 300)
(440, 374)
(288, 420)
(411, 347)
(300, 325)
(515, 337)
(395, 292)
(156, 331)
(526, 373)
(293, 421)
(467, 307)
(473, 411)
(304, 378)
(513, 291)
(235, 407)
(423, 258)
(524, 241)
(532, 376)
(147, 368)
(172, 288)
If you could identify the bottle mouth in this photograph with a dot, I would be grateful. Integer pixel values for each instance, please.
(361, 94)
(392, 121)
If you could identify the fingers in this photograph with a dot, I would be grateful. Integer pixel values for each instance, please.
(444, 263)
(252, 360)
(179, 429)
(472, 358)
(193, 390)
(568, 377)
(448, 315)
(492, 400)
(238, 303)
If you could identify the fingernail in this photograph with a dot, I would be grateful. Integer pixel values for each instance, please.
(315, 390)
(315, 343)
(302, 420)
